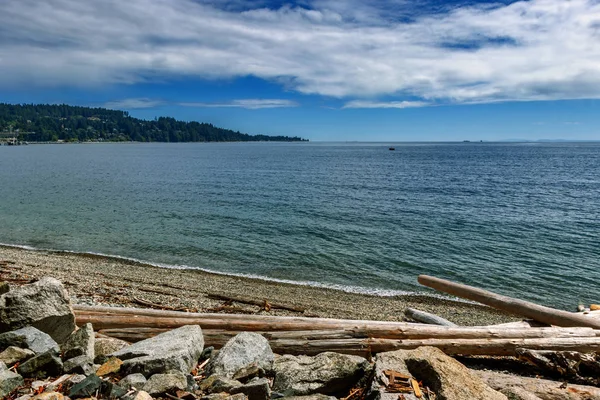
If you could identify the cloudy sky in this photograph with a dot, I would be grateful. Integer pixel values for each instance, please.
(321, 69)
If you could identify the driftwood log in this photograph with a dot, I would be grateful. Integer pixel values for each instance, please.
(526, 309)
(427, 318)
(582, 368)
(261, 303)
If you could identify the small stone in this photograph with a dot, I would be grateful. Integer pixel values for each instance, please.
(79, 365)
(36, 385)
(48, 396)
(24, 397)
(28, 338)
(4, 287)
(86, 388)
(207, 353)
(81, 342)
(111, 366)
(224, 396)
(141, 395)
(105, 346)
(136, 381)
(256, 389)
(15, 354)
(112, 390)
(42, 365)
(65, 382)
(317, 396)
(218, 383)
(243, 349)
(248, 372)
(9, 381)
(164, 383)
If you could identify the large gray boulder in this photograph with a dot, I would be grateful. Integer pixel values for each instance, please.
(176, 350)
(80, 343)
(449, 379)
(28, 338)
(44, 305)
(325, 373)
(243, 349)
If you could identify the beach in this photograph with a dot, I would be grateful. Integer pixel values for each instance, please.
(111, 281)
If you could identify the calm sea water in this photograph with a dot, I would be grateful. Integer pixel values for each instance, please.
(519, 219)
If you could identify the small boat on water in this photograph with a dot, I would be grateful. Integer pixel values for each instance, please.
(392, 148)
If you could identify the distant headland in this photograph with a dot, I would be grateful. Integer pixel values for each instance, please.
(65, 123)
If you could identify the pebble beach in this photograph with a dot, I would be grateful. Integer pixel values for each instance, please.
(111, 281)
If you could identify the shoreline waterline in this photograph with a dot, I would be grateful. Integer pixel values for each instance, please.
(110, 280)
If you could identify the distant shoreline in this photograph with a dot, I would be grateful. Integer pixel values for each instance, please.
(95, 279)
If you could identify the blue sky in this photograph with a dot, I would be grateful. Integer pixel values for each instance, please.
(321, 69)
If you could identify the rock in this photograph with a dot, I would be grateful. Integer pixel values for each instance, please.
(218, 383)
(448, 378)
(207, 353)
(224, 396)
(4, 287)
(111, 390)
(9, 381)
(44, 305)
(79, 365)
(248, 372)
(165, 383)
(24, 397)
(28, 338)
(176, 350)
(86, 388)
(141, 395)
(136, 381)
(111, 366)
(243, 349)
(81, 342)
(48, 396)
(105, 346)
(15, 354)
(318, 397)
(256, 389)
(518, 394)
(393, 360)
(326, 373)
(65, 382)
(42, 365)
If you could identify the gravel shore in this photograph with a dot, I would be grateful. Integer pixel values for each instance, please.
(113, 281)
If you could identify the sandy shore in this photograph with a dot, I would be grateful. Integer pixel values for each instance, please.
(112, 281)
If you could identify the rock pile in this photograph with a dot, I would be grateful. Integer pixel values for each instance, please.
(43, 356)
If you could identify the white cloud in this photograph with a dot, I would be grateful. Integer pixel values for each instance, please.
(252, 104)
(385, 104)
(528, 50)
(127, 104)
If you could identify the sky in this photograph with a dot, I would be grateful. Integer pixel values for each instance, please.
(326, 70)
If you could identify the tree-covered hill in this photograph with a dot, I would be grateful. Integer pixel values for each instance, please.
(46, 123)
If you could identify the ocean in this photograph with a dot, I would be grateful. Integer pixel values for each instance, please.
(520, 219)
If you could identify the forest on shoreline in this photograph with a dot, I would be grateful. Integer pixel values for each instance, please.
(62, 122)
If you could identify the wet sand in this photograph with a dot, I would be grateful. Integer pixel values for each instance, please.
(99, 280)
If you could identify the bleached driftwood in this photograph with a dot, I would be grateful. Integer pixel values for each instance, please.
(427, 318)
(523, 308)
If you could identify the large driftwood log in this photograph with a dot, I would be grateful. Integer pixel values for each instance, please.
(542, 388)
(427, 318)
(520, 307)
(582, 368)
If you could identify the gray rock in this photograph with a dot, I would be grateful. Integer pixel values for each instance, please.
(105, 346)
(165, 383)
(44, 305)
(449, 379)
(86, 388)
(240, 351)
(28, 338)
(9, 381)
(393, 360)
(15, 354)
(326, 373)
(79, 365)
(256, 389)
(141, 395)
(136, 381)
(42, 365)
(176, 350)
(218, 383)
(65, 382)
(224, 396)
(80, 343)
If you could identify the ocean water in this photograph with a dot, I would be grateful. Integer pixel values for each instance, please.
(521, 219)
